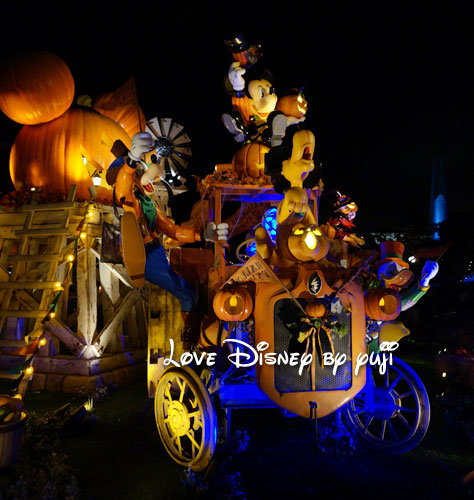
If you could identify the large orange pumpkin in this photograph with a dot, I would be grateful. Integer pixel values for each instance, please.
(249, 160)
(35, 87)
(382, 304)
(52, 155)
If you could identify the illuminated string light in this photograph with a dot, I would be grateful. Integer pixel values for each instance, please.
(29, 370)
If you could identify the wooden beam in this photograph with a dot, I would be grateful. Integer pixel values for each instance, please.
(66, 336)
(8, 313)
(58, 231)
(37, 258)
(64, 205)
(121, 312)
(116, 269)
(86, 295)
(27, 285)
(110, 296)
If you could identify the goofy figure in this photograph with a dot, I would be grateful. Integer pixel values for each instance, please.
(144, 222)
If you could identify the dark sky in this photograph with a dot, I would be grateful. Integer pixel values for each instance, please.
(388, 87)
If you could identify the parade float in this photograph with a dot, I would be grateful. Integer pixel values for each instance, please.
(305, 320)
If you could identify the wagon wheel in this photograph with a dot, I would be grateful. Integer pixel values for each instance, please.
(392, 412)
(173, 144)
(186, 418)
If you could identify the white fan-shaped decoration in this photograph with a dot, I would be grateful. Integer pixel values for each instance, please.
(172, 144)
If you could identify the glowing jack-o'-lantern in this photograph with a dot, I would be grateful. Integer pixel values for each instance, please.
(293, 105)
(233, 305)
(307, 243)
(35, 87)
(382, 304)
(66, 151)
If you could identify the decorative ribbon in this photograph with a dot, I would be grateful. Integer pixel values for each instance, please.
(311, 337)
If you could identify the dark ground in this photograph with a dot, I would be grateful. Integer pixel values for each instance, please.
(121, 455)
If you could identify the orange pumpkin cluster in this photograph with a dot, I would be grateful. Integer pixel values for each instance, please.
(15, 199)
(59, 144)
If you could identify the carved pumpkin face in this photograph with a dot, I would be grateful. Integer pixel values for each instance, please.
(293, 105)
(307, 243)
(35, 87)
(382, 304)
(233, 305)
(66, 151)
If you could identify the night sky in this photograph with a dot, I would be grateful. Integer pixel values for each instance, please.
(388, 87)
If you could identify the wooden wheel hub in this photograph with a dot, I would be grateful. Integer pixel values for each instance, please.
(178, 418)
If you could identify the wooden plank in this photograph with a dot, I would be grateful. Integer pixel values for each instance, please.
(37, 258)
(55, 246)
(66, 336)
(110, 296)
(121, 312)
(60, 231)
(63, 205)
(86, 295)
(117, 269)
(16, 266)
(12, 343)
(8, 313)
(132, 328)
(71, 365)
(28, 285)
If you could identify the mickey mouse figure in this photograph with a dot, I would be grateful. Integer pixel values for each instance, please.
(254, 100)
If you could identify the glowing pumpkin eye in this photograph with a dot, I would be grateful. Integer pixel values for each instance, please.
(298, 232)
(317, 232)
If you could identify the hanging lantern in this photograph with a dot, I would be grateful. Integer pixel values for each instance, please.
(382, 304)
(233, 305)
(35, 87)
(51, 155)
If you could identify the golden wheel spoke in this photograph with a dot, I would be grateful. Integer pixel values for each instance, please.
(194, 413)
(191, 438)
(178, 441)
(182, 388)
(167, 393)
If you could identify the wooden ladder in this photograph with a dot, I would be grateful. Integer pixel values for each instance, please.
(22, 263)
